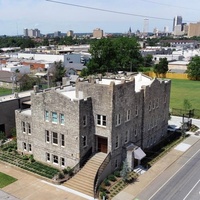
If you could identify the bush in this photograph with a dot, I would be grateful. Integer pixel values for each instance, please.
(117, 173)
(106, 182)
(103, 194)
(61, 175)
(112, 178)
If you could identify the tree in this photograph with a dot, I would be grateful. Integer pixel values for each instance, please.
(186, 104)
(148, 60)
(161, 67)
(114, 54)
(193, 68)
(59, 72)
(125, 170)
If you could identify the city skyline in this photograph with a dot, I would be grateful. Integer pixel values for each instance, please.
(50, 16)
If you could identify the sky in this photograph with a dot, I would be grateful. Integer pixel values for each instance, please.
(49, 17)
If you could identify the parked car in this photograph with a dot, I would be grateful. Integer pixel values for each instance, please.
(174, 128)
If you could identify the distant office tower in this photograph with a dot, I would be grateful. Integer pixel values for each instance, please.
(177, 21)
(194, 29)
(31, 33)
(25, 32)
(146, 27)
(57, 34)
(97, 33)
(70, 33)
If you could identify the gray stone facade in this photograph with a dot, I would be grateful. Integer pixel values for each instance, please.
(96, 115)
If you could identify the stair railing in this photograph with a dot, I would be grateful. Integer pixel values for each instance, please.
(100, 171)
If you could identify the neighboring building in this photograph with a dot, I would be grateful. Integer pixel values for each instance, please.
(177, 21)
(8, 105)
(32, 33)
(70, 33)
(97, 33)
(178, 66)
(69, 123)
(15, 67)
(194, 29)
(57, 34)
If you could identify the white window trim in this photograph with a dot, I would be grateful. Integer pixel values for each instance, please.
(56, 144)
(126, 137)
(55, 163)
(45, 115)
(29, 128)
(101, 120)
(61, 163)
(128, 115)
(53, 118)
(62, 123)
(46, 131)
(118, 120)
(48, 156)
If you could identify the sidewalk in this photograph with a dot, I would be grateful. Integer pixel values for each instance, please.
(29, 187)
(131, 191)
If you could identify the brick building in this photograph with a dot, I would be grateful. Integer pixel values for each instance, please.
(69, 123)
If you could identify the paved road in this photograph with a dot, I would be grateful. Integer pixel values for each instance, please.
(181, 181)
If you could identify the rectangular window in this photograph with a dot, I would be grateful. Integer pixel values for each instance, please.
(29, 128)
(62, 140)
(84, 120)
(117, 142)
(47, 136)
(118, 120)
(48, 157)
(55, 159)
(136, 110)
(29, 147)
(24, 127)
(24, 146)
(55, 138)
(46, 115)
(54, 117)
(62, 119)
(126, 136)
(101, 120)
(62, 161)
(84, 141)
(128, 115)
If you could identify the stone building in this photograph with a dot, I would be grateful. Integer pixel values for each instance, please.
(67, 124)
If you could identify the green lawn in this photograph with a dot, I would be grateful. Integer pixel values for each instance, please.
(4, 91)
(185, 89)
(6, 180)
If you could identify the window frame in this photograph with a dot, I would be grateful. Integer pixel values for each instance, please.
(128, 115)
(46, 115)
(54, 138)
(118, 119)
(48, 157)
(55, 158)
(84, 120)
(62, 140)
(62, 162)
(84, 137)
(101, 120)
(23, 127)
(47, 136)
(62, 119)
(53, 118)
(24, 146)
(29, 128)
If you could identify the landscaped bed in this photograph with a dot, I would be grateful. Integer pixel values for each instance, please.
(6, 180)
(9, 154)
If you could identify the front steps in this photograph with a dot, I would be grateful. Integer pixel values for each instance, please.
(83, 181)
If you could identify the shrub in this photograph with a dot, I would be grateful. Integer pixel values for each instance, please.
(117, 173)
(61, 175)
(103, 194)
(112, 178)
(106, 182)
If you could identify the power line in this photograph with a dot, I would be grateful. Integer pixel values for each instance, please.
(110, 11)
(169, 5)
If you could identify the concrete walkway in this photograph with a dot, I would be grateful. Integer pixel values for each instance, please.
(131, 191)
(29, 187)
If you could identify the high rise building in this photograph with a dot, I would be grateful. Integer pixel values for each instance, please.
(177, 21)
(97, 33)
(31, 33)
(70, 33)
(194, 29)
(57, 34)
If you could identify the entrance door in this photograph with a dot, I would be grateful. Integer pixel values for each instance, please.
(102, 144)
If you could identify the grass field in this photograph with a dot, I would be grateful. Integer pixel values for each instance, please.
(4, 91)
(185, 89)
(6, 180)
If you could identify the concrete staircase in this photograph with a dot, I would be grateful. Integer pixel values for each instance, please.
(83, 181)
